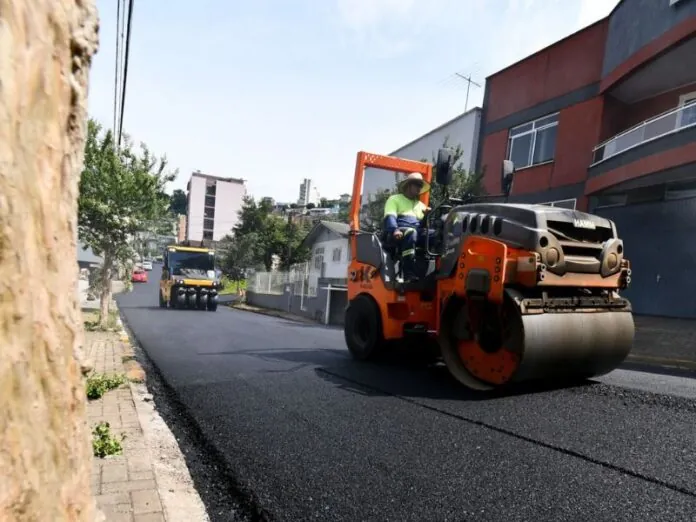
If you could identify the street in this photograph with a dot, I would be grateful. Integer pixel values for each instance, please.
(315, 435)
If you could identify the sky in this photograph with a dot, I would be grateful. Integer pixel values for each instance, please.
(275, 91)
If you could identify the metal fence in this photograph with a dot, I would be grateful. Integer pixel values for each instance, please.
(303, 278)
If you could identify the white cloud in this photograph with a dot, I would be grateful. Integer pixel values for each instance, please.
(388, 28)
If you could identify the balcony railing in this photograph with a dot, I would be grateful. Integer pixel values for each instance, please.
(669, 122)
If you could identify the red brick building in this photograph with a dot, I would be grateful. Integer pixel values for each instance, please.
(605, 120)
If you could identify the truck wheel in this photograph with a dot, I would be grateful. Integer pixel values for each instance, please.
(212, 306)
(202, 301)
(363, 329)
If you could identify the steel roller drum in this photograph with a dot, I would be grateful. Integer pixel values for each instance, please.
(545, 346)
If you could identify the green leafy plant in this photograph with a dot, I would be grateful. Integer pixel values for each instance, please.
(98, 385)
(110, 325)
(121, 192)
(104, 443)
(258, 237)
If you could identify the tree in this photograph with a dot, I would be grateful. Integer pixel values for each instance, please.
(179, 202)
(464, 183)
(263, 235)
(238, 254)
(372, 214)
(121, 192)
(46, 458)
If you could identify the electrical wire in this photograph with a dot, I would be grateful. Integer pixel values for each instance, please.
(117, 65)
(125, 69)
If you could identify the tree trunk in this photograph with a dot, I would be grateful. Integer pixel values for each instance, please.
(45, 459)
(105, 298)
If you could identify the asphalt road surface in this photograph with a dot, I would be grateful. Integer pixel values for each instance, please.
(317, 436)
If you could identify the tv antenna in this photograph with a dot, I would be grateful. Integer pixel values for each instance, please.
(470, 82)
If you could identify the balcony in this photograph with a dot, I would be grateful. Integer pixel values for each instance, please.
(670, 122)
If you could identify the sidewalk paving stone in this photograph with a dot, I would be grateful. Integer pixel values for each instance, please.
(124, 485)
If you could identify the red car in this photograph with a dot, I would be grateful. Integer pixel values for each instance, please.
(139, 276)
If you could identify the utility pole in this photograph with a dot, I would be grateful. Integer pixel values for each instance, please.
(470, 82)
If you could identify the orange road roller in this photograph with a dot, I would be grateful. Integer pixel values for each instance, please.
(505, 292)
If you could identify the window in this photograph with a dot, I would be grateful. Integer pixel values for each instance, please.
(687, 114)
(210, 201)
(208, 234)
(337, 254)
(210, 189)
(562, 203)
(208, 224)
(534, 142)
(318, 257)
(209, 212)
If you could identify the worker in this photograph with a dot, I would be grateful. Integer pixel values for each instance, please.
(403, 214)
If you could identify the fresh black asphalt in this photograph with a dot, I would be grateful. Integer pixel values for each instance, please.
(317, 436)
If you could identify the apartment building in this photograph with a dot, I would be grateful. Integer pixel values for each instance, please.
(308, 193)
(605, 120)
(213, 206)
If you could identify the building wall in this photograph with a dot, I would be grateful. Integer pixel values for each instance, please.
(562, 79)
(194, 218)
(229, 199)
(560, 71)
(576, 78)
(624, 116)
(657, 242)
(181, 228)
(635, 24)
(462, 130)
(330, 242)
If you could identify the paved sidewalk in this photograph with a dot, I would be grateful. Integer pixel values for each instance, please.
(124, 485)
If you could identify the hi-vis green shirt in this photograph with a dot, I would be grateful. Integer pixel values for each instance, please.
(399, 211)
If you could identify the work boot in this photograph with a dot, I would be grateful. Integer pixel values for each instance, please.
(409, 271)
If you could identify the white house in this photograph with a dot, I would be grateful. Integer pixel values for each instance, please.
(462, 130)
(328, 242)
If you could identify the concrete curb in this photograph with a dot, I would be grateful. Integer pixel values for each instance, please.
(272, 313)
(180, 500)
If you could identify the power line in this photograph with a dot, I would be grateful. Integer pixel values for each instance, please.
(121, 31)
(117, 65)
(125, 69)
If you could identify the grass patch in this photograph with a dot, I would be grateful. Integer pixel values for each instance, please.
(91, 321)
(232, 287)
(104, 443)
(98, 385)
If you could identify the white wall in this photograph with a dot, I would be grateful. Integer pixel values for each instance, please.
(229, 199)
(334, 269)
(324, 261)
(462, 130)
(194, 219)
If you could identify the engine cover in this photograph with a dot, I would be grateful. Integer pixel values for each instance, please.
(567, 240)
